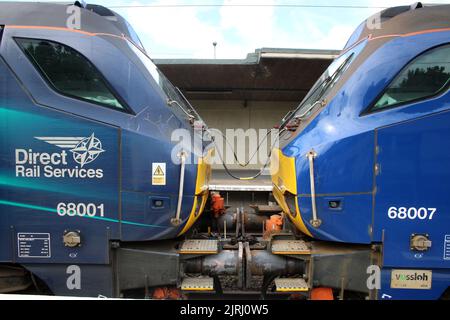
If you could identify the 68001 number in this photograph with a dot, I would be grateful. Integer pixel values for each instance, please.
(80, 209)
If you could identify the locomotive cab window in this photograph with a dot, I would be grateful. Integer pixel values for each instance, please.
(426, 76)
(69, 72)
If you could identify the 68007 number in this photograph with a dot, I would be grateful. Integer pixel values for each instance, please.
(411, 213)
(80, 209)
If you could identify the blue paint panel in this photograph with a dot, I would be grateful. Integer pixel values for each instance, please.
(137, 170)
(351, 223)
(343, 168)
(337, 168)
(151, 223)
(414, 158)
(95, 280)
(138, 187)
(28, 203)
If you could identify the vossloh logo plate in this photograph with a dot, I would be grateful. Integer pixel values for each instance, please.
(411, 279)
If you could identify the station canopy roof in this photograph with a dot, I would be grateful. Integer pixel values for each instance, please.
(268, 74)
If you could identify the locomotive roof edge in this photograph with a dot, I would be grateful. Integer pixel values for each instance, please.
(94, 18)
(402, 20)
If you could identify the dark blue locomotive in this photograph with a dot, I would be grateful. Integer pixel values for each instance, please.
(366, 156)
(87, 153)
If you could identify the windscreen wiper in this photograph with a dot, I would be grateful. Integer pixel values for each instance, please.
(331, 78)
(324, 85)
(191, 107)
(170, 102)
(288, 117)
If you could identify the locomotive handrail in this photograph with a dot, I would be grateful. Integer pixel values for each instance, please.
(315, 222)
(177, 221)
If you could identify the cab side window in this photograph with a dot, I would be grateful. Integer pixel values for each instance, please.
(426, 76)
(69, 72)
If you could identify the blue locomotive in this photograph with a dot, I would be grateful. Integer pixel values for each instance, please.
(365, 156)
(87, 157)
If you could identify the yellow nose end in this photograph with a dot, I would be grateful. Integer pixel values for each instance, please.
(284, 181)
(201, 189)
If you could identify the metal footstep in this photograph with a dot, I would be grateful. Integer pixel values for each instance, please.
(199, 247)
(197, 284)
(290, 247)
(291, 285)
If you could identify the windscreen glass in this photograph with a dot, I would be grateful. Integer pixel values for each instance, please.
(173, 95)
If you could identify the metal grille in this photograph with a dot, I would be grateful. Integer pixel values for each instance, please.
(291, 285)
(199, 247)
(198, 284)
(290, 247)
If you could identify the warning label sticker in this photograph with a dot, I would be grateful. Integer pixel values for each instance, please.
(159, 174)
(33, 245)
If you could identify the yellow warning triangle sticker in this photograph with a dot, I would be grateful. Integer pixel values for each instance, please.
(158, 171)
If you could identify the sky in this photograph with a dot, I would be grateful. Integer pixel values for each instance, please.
(187, 28)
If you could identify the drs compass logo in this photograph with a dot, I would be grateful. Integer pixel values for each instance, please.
(84, 150)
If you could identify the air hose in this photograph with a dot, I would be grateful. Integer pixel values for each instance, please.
(227, 170)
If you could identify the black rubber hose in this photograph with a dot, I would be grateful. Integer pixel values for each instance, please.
(217, 285)
(267, 280)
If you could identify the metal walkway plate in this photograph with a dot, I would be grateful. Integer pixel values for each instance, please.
(290, 247)
(197, 284)
(199, 247)
(267, 209)
(291, 285)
